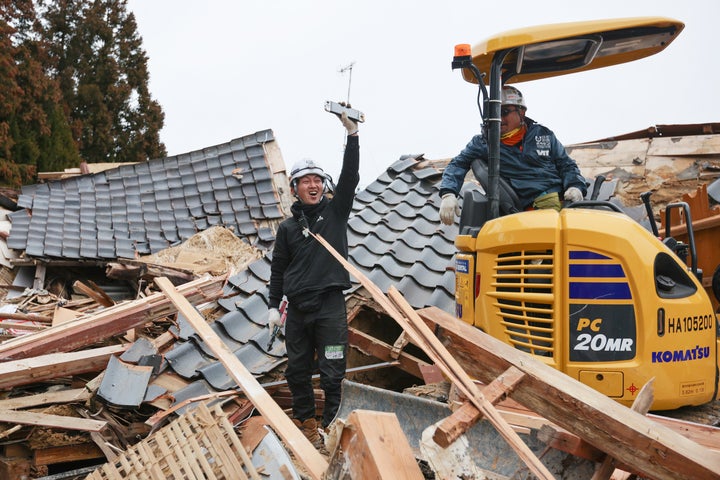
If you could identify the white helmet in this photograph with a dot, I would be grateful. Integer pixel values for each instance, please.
(512, 96)
(304, 167)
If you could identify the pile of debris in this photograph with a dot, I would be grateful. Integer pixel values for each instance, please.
(158, 360)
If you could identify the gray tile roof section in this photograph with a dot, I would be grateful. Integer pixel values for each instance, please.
(142, 208)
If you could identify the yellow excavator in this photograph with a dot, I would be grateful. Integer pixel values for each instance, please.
(587, 289)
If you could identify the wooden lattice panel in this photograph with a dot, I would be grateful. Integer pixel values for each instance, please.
(198, 445)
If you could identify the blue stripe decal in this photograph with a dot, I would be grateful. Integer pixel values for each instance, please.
(601, 271)
(600, 291)
(585, 255)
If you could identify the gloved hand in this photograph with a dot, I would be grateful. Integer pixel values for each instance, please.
(573, 194)
(274, 318)
(449, 208)
(350, 126)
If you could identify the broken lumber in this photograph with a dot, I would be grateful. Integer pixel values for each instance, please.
(641, 404)
(199, 444)
(467, 415)
(25, 371)
(633, 439)
(26, 316)
(93, 291)
(66, 453)
(304, 451)
(51, 421)
(384, 351)
(373, 445)
(76, 395)
(407, 318)
(111, 321)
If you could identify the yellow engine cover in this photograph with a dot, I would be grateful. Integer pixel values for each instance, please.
(595, 295)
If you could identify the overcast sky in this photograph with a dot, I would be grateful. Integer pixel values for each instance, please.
(223, 69)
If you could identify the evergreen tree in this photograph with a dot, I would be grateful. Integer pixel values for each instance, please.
(101, 67)
(34, 134)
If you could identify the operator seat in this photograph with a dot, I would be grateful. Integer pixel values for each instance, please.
(476, 205)
(509, 201)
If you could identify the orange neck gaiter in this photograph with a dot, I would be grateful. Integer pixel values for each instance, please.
(515, 136)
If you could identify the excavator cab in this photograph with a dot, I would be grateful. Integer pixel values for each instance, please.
(547, 51)
(586, 290)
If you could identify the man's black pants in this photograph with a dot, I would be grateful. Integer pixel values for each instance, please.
(324, 332)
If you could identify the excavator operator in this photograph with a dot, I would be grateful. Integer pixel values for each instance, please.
(532, 161)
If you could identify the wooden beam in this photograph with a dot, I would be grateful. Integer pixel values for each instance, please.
(373, 445)
(705, 435)
(383, 351)
(68, 453)
(304, 452)
(26, 316)
(79, 395)
(109, 322)
(641, 404)
(560, 439)
(94, 292)
(51, 421)
(22, 326)
(633, 439)
(14, 373)
(39, 280)
(467, 415)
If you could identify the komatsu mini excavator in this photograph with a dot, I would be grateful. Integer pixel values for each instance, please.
(586, 290)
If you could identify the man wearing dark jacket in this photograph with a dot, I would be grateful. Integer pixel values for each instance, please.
(532, 161)
(313, 282)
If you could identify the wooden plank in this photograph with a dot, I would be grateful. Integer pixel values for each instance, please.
(22, 326)
(291, 435)
(39, 280)
(109, 322)
(465, 384)
(94, 292)
(373, 445)
(51, 421)
(560, 439)
(26, 371)
(26, 316)
(79, 395)
(408, 319)
(641, 404)
(68, 453)
(705, 435)
(467, 415)
(383, 351)
(651, 448)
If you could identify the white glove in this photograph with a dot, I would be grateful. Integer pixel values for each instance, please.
(449, 208)
(350, 126)
(573, 194)
(274, 318)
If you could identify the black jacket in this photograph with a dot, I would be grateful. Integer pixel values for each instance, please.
(302, 268)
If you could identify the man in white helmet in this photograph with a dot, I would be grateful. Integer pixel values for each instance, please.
(313, 282)
(532, 161)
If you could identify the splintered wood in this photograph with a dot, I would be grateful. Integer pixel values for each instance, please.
(199, 444)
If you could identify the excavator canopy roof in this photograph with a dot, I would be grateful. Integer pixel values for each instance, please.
(558, 49)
